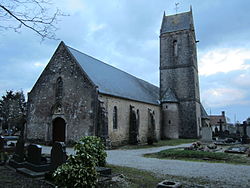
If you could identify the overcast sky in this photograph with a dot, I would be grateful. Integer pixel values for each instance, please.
(125, 34)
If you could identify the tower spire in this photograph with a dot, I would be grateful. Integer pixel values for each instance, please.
(163, 18)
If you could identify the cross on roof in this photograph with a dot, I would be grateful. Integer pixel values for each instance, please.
(176, 7)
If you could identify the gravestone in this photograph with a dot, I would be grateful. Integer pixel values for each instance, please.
(58, 154)
(2, 141)
(34, 154)
(206, 134)
(220, 122)
(244, 138)
(19, 151)
(216, 131)
(232, 130)
(34, 165)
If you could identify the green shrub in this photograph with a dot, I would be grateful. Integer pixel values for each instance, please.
(79, 170)
(93, 146)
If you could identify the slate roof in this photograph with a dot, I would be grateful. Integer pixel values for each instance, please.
(115, 82)
(177, 22)
(169, 96)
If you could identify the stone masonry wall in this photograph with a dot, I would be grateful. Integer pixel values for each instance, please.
(179, 72)
(121, 134)
(171, 120)
(78, 100)
(190, 119)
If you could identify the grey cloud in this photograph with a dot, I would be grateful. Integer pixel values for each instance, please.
(123, 40)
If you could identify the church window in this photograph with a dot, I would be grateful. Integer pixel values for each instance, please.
(59, 88)
(166, 106)
(115, 118)
(175, 48)
(169, 121)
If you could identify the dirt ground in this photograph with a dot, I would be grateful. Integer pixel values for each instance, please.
(10, 179)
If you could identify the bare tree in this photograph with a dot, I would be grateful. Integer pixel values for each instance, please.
(36, 15)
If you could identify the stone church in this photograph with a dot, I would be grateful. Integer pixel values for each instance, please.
(77, 95)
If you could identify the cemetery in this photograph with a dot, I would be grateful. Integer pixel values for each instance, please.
(27, 159)
(218, 146)
(57, 167)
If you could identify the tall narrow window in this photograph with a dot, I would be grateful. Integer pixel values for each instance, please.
(175, 48)
(59, 88)
(115, 118)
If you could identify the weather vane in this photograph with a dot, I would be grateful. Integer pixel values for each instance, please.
(176, 7)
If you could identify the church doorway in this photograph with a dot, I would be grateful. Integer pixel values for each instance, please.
(58, 133)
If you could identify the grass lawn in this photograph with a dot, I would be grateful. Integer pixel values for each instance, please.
(169, 142)
(135, 178)
(181, 154)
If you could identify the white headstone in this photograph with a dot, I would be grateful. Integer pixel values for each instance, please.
(206, 134)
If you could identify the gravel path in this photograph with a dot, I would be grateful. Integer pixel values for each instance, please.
(233, 175)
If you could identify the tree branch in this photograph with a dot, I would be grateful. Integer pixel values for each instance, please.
(34, 18)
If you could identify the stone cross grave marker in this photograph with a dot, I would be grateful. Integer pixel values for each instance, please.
(220, 123)
(58, 154)
(206, 134)
(34, 154)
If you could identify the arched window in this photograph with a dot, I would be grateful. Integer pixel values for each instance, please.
(175, 48)
(115, 118)
(59, 88)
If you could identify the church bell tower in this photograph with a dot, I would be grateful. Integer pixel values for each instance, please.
(179, 83)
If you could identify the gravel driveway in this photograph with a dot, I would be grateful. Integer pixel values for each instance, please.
(232, 175)
(225, 174)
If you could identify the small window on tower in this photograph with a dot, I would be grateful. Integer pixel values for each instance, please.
(175, 48)
(169, 121)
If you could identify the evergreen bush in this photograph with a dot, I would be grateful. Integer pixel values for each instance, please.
(93, 146)
(79, 170)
